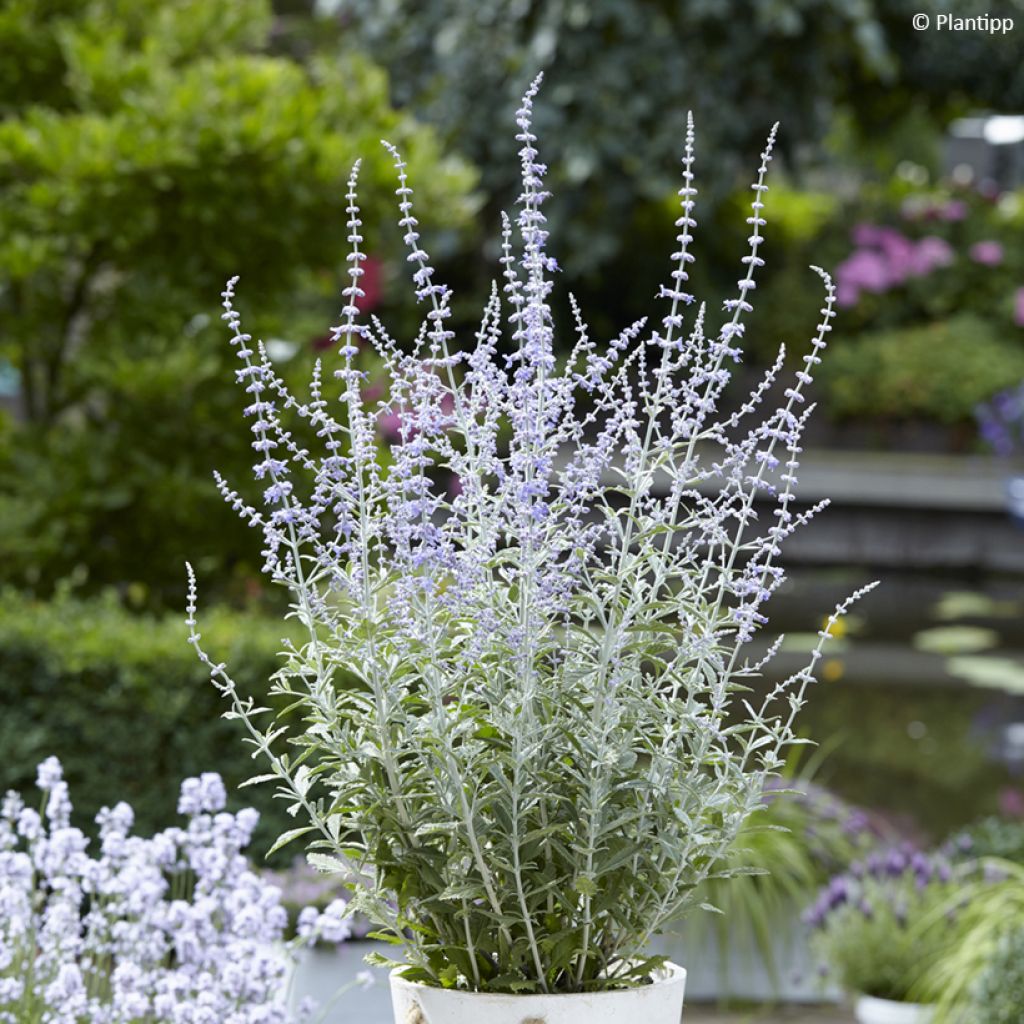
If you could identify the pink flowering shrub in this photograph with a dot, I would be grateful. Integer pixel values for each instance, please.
(930, 255)
(931, 289)
(172, 929)
(884, 259)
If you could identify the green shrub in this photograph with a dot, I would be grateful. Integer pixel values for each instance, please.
(125, 705)
(148, 151)
(998, 996)
(938, 371)
(872, 924)
(992, 837)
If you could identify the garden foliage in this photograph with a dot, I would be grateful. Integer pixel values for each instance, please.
(147, 149)
(619, 69)
(127, 709)
(940, 371)
(879, 925)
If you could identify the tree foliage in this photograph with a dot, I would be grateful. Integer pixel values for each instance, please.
(623, 73)
(148, 150)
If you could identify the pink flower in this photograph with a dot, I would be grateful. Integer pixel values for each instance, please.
(1018, 308)
(864, 268)
(847, 294)
(930, 253)
(900, 254)
(955, 209)
(1011, 802)
(988, 254)
(868, 234)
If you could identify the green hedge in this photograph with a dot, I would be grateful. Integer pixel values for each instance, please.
(124, 703)
(938, 371)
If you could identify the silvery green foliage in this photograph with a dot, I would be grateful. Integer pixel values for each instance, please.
(175, 928)
(545, 595)
(998, 993)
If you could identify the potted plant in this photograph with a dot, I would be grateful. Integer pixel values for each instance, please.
(873, 926)
(756, 947)
(545, 596)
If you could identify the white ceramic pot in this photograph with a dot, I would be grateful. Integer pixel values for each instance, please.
(658, 1003)
(869, 1010)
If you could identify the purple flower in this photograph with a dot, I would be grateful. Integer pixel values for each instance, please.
(954, 209)
(931, 253)
(202, 795)
(864, 269)
(49, 774)
(1018, 307)
(987, 253)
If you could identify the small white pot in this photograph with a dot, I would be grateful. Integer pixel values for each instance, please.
(869, 1010)
(658, 1003)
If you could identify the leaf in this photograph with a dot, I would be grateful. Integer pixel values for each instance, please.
(327, 864)
(288, 836)
(379, 960)
(257, 780)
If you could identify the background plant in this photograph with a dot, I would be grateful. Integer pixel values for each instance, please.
(998, 993)
(539, 764)
(128, 708)
(869, 922)
(147, 150)
(990, 920)
(617, 66)
(939, 371)
(172, 927)
(802, 836)
(1001, 421)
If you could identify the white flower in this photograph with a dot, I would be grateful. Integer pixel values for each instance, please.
(48, 774)
(108, 923)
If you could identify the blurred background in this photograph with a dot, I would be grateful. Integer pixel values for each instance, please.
(151, 148)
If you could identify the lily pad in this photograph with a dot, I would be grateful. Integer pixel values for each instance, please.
(994, 673)
(951, 640)
(968, 604)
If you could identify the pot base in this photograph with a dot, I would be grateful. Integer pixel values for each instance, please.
(869, 1010)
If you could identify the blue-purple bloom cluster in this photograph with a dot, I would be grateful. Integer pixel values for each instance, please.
(885, 920)
(175, 929)
(1001, 422)
(549, 652)
(882, 878)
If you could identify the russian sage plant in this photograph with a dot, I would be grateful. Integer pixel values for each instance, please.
(175, 928)
(545, 595)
